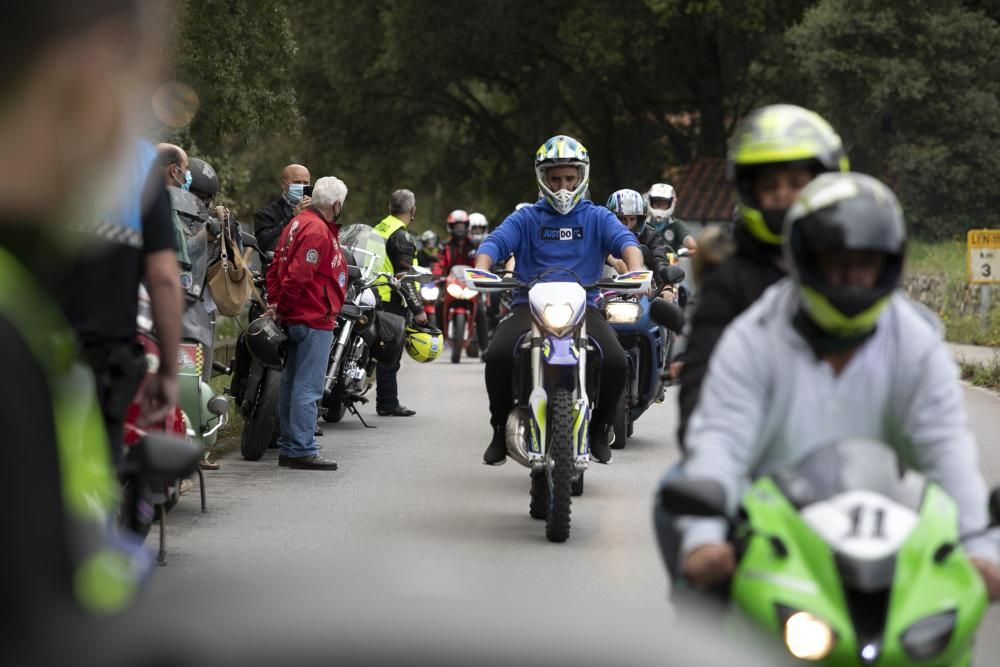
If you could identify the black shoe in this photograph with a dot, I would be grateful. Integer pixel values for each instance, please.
(496, 453)
(314, 462)
(398, 411)
(283, 460)
(600, 443)
(318, 432)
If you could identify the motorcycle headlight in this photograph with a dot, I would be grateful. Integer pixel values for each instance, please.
(622, 312)
(930, 636)
(808, 637)
(429, 292)
(557, 316)
(469, 294)
(455, 290)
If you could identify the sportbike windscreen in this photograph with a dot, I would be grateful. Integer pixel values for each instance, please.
(367, 246)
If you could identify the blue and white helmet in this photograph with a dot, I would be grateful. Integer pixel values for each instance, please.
(629, 202)
(562, 151)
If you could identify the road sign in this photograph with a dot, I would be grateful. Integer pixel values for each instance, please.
(983, 256)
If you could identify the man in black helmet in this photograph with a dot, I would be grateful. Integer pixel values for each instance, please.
(847, 357)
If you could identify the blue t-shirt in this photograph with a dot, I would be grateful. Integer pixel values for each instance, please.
(539, 238)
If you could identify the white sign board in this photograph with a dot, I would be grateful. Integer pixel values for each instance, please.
(983, 256)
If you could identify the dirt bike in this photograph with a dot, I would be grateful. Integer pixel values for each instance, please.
(848, 559)
(548, 428)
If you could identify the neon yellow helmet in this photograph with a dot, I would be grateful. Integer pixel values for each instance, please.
(423, 343)
(779, 134)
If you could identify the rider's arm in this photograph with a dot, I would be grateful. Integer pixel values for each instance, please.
(503, 242)
(936, 428)
(725, 427)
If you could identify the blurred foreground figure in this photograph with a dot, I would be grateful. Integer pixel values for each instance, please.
(68, 95)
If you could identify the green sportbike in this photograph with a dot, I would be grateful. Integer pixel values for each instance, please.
(850, 559)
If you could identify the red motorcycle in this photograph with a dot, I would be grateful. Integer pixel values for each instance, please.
(461, 303)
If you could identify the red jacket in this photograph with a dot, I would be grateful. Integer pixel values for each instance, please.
(455, 253)
(307, 279)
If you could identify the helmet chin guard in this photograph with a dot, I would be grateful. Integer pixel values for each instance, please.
(562, 151)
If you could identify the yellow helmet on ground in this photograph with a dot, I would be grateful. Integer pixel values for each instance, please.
(423, 343)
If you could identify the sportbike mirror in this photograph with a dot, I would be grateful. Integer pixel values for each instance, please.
(166, 457)
(694, 497)
(249, 241)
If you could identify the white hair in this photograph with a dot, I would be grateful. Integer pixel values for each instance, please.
(328, 191)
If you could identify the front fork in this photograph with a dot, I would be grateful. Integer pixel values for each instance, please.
(538, 404)
(338, 353)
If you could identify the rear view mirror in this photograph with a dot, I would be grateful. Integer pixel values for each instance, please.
(249, 241)
(672, 274)
(165, 457)
(694, 497)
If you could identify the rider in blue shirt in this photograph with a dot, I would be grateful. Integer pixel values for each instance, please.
(562, 230)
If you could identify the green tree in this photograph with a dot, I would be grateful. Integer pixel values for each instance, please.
(914, 88)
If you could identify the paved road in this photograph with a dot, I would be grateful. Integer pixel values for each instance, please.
(412, 503)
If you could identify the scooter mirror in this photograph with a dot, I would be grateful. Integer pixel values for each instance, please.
(167, 457)
(995, 507)
(694, 497)
(249, 241)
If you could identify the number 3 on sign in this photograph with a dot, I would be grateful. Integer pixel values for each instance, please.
(983, 256)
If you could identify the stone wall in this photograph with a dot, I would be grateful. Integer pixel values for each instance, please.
(940, 296)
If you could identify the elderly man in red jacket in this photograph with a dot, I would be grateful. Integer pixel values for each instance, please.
(305, 285)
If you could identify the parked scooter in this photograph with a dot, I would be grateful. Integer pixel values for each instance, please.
(647, 328)
(461, 304)
(206, 409)
(849, 560)
(548, 428)
(147, 494)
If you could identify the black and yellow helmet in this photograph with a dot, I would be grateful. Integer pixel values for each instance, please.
(779, 134)
(423, 343)
(844, 212)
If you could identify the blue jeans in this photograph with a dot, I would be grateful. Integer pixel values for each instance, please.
(301, 387)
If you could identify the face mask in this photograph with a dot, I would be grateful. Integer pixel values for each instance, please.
(186, 185)
(295, 191)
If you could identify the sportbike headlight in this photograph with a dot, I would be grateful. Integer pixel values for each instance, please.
(469, 294)
(455, 290)
(622, 312)
(928, 637)
(429, 292)
(557, 316)
(808, 637)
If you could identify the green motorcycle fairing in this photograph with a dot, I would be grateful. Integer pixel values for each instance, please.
(801, 574)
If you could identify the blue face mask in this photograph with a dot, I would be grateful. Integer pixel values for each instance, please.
(295, 191)
(187, 181)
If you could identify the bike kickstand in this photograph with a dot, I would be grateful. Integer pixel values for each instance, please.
(357, 414)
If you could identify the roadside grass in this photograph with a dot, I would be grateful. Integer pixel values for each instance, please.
(945, 261)
(982, 375)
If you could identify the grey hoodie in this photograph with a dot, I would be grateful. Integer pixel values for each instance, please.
(768, 401)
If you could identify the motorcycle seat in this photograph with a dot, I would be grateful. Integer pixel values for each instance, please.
(350, 311)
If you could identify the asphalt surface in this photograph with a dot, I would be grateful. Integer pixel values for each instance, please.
(413, 508)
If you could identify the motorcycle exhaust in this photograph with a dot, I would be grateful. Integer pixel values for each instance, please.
(517, 435)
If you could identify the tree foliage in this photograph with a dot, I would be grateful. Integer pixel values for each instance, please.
(450, 98)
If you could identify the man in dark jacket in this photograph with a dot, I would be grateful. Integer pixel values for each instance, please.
(401, 253)
(775, 153)
(270, 220)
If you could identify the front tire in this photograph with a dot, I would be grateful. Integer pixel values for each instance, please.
(335, 409)
(262, 428)
(458, 340)
(560, 474)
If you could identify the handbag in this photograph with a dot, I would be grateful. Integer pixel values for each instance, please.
(229, 280)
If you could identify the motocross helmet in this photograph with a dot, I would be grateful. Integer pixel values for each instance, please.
(266, 342)
(663, 191)
(778, 135)
(423, 343)
(429, 239)
(204, 181)
(629, 203)
(478, 227)
(458, 224)
(562, 151)
(844, 212)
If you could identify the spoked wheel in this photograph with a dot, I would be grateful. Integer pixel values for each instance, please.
(458, 340)
(560, 474)
(262, 428)
(621, 424)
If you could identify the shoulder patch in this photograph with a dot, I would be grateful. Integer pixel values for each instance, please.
(312, 255)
